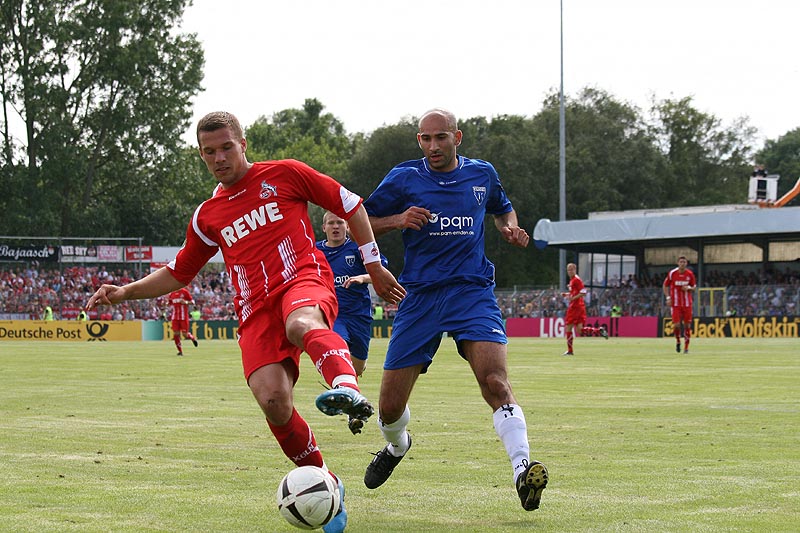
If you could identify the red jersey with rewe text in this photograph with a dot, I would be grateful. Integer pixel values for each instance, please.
(261, 226)
(676, 280)
(180, 300)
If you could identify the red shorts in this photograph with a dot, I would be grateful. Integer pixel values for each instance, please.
(262, 338)
(180, 325)
(575, 315)
(681, 314)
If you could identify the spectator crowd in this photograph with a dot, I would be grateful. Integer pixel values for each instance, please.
(769, 293)
(25, 291)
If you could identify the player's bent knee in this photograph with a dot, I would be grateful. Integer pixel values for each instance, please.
(277, 411)
(496, 387)
(391, 412)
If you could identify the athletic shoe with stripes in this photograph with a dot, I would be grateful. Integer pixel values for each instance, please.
(345, 400)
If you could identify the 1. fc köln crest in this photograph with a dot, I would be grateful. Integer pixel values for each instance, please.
(268, 190)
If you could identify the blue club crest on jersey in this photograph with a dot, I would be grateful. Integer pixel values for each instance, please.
(480, 194)
(350, 260)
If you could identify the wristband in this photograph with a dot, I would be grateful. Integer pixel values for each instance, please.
(369, 252)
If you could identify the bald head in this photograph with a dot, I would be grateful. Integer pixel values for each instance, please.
(439, 138)
(449, 118)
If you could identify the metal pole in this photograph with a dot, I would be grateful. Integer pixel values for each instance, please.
(562, 165)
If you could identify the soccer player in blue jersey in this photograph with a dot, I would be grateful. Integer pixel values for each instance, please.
(354, 320)
(439, 203)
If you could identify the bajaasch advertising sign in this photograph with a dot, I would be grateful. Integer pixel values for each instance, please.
(42, 253)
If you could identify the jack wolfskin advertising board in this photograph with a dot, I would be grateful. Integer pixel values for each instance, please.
(740, 327)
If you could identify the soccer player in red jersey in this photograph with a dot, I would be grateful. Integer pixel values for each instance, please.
(285, 296)
(678, 288)
(180, 300)
(576, 311)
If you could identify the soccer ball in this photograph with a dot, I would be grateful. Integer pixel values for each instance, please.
(308, 497)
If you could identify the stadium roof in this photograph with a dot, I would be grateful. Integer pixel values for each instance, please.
(628, 232)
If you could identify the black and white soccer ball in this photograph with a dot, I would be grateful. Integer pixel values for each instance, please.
(308, 497)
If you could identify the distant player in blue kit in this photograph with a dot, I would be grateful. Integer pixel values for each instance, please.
(354, 320)
(439, 203)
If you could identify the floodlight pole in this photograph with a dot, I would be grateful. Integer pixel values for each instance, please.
(562, 165)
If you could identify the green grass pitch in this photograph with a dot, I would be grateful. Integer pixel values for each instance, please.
(123, 436)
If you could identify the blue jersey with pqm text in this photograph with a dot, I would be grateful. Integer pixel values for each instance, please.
(345, 261)
(450, 248)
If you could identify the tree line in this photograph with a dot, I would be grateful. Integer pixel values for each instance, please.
(103, 92)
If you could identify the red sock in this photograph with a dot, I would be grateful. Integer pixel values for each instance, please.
(297, 441)
(177, 340)
(570, 337)
(330, 355)
(687, 334)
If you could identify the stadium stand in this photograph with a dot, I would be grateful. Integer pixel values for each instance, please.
(25, 291)
(755, 293)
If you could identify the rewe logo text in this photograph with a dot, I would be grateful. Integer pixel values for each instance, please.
(257, 218)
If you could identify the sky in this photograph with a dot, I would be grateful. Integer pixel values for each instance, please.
(375, 62)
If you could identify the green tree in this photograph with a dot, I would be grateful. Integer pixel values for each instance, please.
(782, 156)
(380, 152)
(708, 163)
(309, 135)
(374, 157)
(158, 206)
(612, 163)
(512, 145)
(103, 89)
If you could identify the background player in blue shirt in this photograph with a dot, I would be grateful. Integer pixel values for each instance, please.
(354, 320)
(439, 203)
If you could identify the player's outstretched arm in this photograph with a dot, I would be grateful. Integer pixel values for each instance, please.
(386, 286)
(357, 280)
(412, 218)
(158, 283)
(510, 230)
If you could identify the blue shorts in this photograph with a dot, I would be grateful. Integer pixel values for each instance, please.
(355, 330)
(466, 312)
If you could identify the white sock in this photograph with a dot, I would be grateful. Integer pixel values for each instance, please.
(509, 423)
(344, 379)
(396, 434)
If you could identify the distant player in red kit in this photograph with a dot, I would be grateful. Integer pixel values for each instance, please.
(678, 288)
(285, 296)
(576, 311)
(180, 301)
